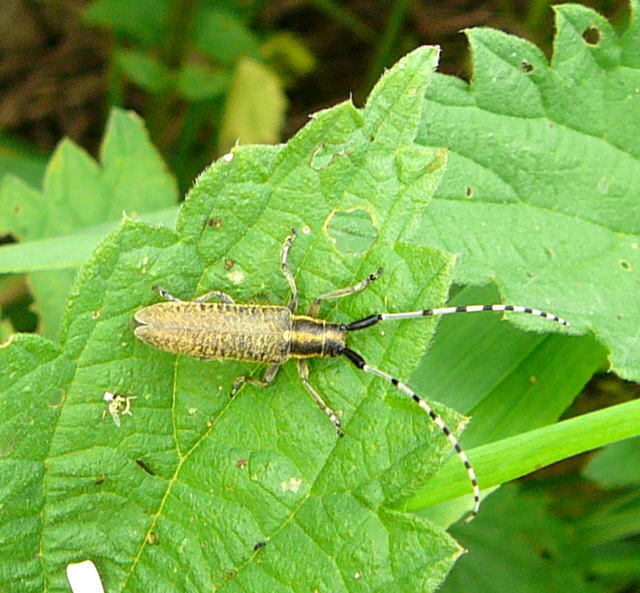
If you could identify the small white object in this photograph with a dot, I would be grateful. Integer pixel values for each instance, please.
(119, 405)
(84, 578)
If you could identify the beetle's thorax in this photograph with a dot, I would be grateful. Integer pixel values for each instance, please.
(316, 337)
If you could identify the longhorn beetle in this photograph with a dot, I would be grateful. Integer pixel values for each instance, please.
(275, 334)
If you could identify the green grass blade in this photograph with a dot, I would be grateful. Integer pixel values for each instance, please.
(517, 456)
(67, 251)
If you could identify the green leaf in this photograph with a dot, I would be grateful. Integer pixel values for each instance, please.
(145, 70)
(199, 82)
(288, 55)
(516, 544)
(508, 380)
(541, 191)
(20, 160)
(78, 193)
(617, 465)
(178, 495)
(33, 382)
(255, 107)
(72, 250)
(221, 36)
(612, 523)
(143, 20)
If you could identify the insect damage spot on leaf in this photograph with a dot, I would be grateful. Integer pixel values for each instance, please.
(145, 467)
(351, 231)
(592, 35)
(625, 264)
(7, 447)
(153, 539)
(56, 398)
(526, 66)
(325, 154)
(414, 163)
(235, 277)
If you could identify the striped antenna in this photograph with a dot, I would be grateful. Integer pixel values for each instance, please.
(473, 309)
(356, 359)
(377, 317)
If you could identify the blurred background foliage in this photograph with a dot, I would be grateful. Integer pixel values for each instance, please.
(205, 74)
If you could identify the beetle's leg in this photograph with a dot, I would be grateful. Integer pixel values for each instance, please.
(215, 294)
(167, 296)
(223, 296)
(284, 264)
(303, 370)
(269, 375)
(342, 292)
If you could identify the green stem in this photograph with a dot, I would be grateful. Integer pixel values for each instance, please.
(172, 54)
(346, 18)
(537, 16)
(382, 56)
(517, 456)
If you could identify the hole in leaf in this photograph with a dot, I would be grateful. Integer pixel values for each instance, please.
(216, 223)
(526, 66)
(625, 264)
(9, 238)
(351, 231)
(469, 192)
(591, 35)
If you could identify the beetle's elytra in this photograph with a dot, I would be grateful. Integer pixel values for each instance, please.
(275, 334)
(239, 332)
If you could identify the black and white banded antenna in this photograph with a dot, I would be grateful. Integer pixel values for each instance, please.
(359, 362)
(377, 317)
